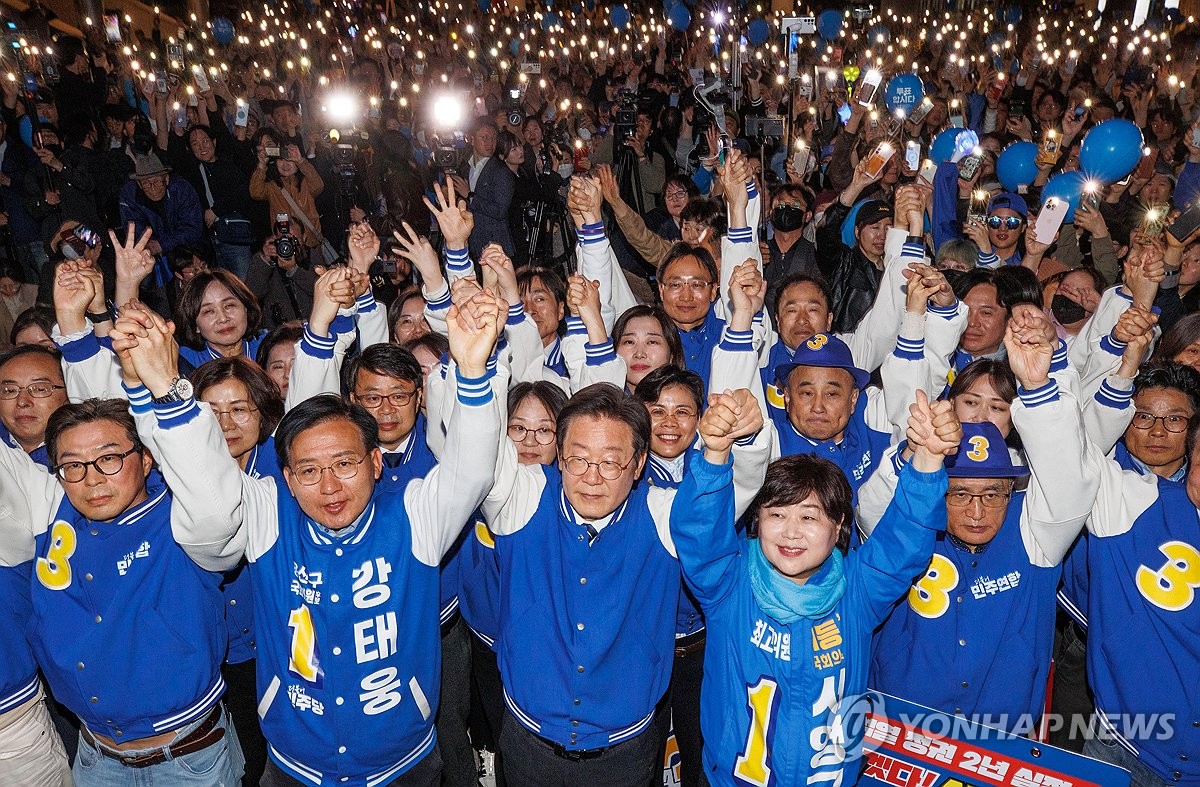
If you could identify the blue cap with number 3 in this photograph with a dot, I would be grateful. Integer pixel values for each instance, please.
(983, 454)
(822, 349)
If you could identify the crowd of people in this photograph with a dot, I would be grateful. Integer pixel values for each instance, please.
(416, 455)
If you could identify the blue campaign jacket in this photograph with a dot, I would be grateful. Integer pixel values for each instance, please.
(770, 688)
(857, 454)
(356, 646)
(129, 632)
(974, 635)
(18, 670)
(586, 631)
(1144, 635)
(688, 617)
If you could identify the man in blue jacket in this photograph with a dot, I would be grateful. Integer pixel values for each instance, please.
(168, 206)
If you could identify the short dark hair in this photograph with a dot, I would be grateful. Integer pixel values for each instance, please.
(681, 250)
(287, 333)
(652, 385)
(996, 370)
(550, 395)
(89, 411)
(434, 342)
(41, 316)
(397, 305)
(550, 279)
(20, 351)
(605, 400)
(796, 279)
(708, 212)
(190, 299)
(263, 392)
(1167, 374)
(792, 479)
(389, 360)
(506, 141)
(318, 410)
(669, 330)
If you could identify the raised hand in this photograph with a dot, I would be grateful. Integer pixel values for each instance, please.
(934, 432)
(1135, 327)
(333, 291)
(420, 254)
(153, 354)
(609, 188)
(730, 416)
(454, 220)
(1030, 340)
(1144, 271)
(364, 246)
(585, 197)
(922, 286)
(134, 261)
(472, 328)
(583, 298)
(73, 294)
(747, 293)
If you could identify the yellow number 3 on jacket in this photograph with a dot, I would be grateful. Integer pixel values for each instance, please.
(930, 595)
(54, 570)
(1172, 587)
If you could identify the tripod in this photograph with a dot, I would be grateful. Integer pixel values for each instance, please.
(537, 215)
(629, 178)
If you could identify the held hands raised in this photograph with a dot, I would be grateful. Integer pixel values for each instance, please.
(730, 416)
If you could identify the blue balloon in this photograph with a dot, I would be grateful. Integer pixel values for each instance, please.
(222, 30)
(484, 5)
(680, 17)
(1016, 166)
(829, 24)
(758, 32)
(550, 20)
(903, 93)
(1066, 186)
(619, 16)
(1111, 150)
(1013, 14)
(943, 145)
(879, 34)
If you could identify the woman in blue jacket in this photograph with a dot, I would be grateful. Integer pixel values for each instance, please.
(789, 615)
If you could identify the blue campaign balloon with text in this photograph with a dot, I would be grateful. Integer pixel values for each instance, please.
(829, 24)
(222, 30)
(680, 17)
(1111, 150)
(1066, 186)
(619, 16)
(758, 32)
(903, 93)
(1017, 165)
(943, 145)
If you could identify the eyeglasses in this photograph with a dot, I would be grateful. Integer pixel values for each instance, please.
(1012, 222)
(342, 469)
(36, 390)
(1172, 423)
(543, 435)
(109, 464)
(676, 286)
(609, 471)
(675, 194)
(373, 400)
(989, 499)
(239, 415)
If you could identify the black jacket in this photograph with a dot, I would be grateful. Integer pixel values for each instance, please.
(853, 278)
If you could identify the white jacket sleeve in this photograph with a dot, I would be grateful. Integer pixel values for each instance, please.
(1063, 478)
(944, 328)
(371, 320)
(1108, 413)
(90, 370)
(316, 369)
(29, 496)
(598, 263)
(905, 371)
(589, 363)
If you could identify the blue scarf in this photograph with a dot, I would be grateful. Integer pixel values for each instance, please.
(786, 601)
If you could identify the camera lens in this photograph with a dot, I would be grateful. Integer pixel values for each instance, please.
(286, 247)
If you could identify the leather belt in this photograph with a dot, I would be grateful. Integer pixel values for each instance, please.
(574, 755)
(690, 645)
(198, 739)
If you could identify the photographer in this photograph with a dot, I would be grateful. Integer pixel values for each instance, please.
(651, 167)
(540, 185)
(289, 184)
(282, 286)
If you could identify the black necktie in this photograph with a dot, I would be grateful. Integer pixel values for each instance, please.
(393, 460)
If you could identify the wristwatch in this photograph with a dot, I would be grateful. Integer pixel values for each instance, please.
(180, 390)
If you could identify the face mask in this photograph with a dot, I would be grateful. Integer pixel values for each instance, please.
(566, 169)
(1067, 311)
(787, 218)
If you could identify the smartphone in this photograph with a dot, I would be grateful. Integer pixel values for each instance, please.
(31, 83)
(878, 159)
(912, 155)
(1196, 136)
(893, 127)
(969, 166)
(1154, 222)
(805, 89)
(956, 120)
(160, 81)
(804, 162)
(1016, 108)
(869, 88)
(1145, 168)
(1050, 219)
(995, 90)
(844, 113)
(977, 207)
(1186, 223)
(50, 72)
(112, 27)
(923, 109)
(201, 80)
(927, 172)
(242, 117)
(175, 55)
